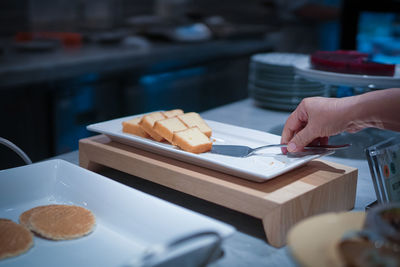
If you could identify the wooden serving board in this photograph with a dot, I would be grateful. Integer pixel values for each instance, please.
(320, 186)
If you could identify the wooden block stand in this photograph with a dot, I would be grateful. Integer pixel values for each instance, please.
(317, 187)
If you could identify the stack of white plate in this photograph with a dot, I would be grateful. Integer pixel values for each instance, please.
(274, 84)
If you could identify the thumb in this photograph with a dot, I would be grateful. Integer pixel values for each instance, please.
(300, 140)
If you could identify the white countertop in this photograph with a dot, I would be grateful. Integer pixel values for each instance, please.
(247, 247)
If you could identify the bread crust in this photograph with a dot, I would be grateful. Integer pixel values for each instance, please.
(167, 127)
(147, 124)
(132, 127)
(192, 119)
(181, 139)
(172, 113)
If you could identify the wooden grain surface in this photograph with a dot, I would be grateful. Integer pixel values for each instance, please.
(317, 187)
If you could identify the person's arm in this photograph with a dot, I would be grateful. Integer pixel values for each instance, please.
(317, 118)
(379, 109)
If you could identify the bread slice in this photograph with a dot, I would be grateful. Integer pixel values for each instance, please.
(167, 127)
(132, 127)
(193, 119)
(147, 124)
(172, 113)
(192, 140)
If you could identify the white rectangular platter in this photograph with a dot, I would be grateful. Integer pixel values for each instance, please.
(128, 222)
(259, 168)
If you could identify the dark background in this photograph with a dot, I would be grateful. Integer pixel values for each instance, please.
(46, 114)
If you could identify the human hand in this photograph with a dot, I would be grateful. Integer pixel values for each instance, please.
(314, 120)
(317, 118)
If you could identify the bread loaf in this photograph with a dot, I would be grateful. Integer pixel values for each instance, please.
(188, 131)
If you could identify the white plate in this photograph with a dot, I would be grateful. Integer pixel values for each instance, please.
(257, 168)
(277, 59)
(275, 106)
(304, 70)
(277, 71)
(127, 221)
(293, 100)
(295, 92)
(285, 85)
(255, 75)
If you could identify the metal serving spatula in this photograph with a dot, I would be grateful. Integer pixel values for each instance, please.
(245, 151)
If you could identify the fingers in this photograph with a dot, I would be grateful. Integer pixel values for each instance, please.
(292, 125)
(295, 123)
(304, 126)
(309, 123)
(301, 139)
(287, 135)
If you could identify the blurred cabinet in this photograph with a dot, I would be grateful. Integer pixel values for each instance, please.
(48, 119)
(79, 102)
(196, 88)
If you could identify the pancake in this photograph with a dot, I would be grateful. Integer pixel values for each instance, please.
(24, 217)
(15, 239)
(62, 222)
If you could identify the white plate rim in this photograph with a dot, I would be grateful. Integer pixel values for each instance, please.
(204, 159)
(303, 69)
(282, 93)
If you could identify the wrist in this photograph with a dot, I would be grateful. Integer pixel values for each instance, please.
(373, 109)
(353, 113)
